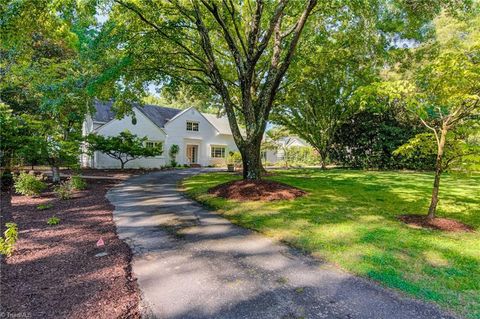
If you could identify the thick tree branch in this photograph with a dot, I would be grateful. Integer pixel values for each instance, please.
(142, 17)
(216, 76)
(213, 8)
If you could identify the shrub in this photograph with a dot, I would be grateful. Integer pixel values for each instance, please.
(44, 206)
(29, 185)
(64, 190)
(173, 155)
(77, 183)
(52, 221)
(10, 238)
(234, 158)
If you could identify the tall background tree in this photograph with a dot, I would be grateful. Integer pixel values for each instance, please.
(445, 92)
(334, 61)
(46, 76)
(328, 69)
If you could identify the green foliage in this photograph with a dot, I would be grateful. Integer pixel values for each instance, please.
(368, 139)
(64, 190)
(174, 149)
(439, 85)
(329, 68)
(302, 156)
(77, 183)
(52, 221)
(124, 147)
(234, 158)
(46, 67)
(349, 218)
(7, 242)
(45, 206)
(459, 151)
(183, 96)
(28, 184)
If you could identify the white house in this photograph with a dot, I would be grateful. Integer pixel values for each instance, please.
(203, 139)
(273, 156)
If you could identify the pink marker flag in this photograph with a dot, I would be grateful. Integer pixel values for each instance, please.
(100, 242)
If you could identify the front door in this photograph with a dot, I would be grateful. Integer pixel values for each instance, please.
(192, 154)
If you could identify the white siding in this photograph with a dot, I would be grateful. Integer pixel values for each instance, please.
(206, 136)
(174, 132)
(143, 127)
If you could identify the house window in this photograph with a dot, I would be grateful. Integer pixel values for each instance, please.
(192, 126)
(218, 152)
(153, 144)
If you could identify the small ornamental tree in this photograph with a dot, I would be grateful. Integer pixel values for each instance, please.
(446, 83)
(124, 147)
(441, 88)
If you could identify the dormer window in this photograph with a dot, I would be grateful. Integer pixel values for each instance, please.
(192, 126)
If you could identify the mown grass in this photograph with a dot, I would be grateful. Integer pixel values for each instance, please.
(349, 219)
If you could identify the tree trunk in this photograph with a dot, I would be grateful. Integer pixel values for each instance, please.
(438, 171)
(262, 169)
(252, 162)
(323, 158)
(55, 174)
(122, 165)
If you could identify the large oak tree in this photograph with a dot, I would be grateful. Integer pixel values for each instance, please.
(239, 50)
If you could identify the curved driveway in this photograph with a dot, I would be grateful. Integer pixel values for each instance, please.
(193, 263)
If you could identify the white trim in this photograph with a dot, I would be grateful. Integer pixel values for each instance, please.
(179, 114)
(192, 108)
(212, 146)
(193, 138)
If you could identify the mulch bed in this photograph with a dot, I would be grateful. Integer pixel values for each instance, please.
(243, 190)
(444, 224)
(54, 273)
(116, 173)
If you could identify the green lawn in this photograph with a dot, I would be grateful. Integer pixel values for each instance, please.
(349, 219)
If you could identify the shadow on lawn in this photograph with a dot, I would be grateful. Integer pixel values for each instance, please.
(351, 216)
(385, 194)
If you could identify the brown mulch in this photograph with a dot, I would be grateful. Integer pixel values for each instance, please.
(266, 190)
(54, 273)
(444, 224)
(115, 173)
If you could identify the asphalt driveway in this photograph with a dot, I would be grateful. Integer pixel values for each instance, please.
(193, 263)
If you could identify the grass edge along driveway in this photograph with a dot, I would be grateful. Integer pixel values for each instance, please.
(349, 219)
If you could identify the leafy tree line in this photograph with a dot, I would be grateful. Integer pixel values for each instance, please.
(420, 109)
(46, 73)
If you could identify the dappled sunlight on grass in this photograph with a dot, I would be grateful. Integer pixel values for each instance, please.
(349, 218)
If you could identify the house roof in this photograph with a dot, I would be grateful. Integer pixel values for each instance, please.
(157, 114)
(220, 123)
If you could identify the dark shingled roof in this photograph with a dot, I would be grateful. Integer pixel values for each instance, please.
(157, 114)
